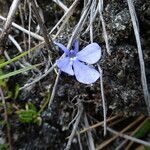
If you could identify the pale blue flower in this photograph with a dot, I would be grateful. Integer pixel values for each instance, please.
(74, 62)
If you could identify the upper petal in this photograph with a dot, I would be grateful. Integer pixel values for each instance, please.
(76, 45)
(65, 65)
(90, 54)
(66, 51)
(84, 73)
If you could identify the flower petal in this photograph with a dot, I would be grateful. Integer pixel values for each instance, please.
(84, 73)
(76, 45)
(90, 54)
(66, 51)
(65, 65)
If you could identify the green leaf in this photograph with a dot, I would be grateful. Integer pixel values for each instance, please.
(16, 92)
(145, 129)
(3, 146)
(2, 122)
(13, 73)
(30, 115)
(27, 116)
(17, 57)
(146, 148)
(2, 82)
(32, 106)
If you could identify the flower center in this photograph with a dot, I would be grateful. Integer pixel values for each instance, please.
(73, 58)
(72, 54)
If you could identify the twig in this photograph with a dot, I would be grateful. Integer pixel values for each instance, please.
(66, 14)
(9, 19)
(105, 143)
(91, 21)
(65, 21)
(90, 138)
(46, 101)
(135, 131)
(103, 99)
(97, 125)
(54, 89)
(128, 137)
(6, 119)
(29, 27)
(22, 22)
(141, 59)
(79, 141)
(81, 21)
(132, 134)
(91, 16)
(36, 36)
(47, 39)
(75, 126)
(100, 6)
(59, 3)
(40, 77)
(6, 55)
(14, 42)
(111, 124)
(73, 120)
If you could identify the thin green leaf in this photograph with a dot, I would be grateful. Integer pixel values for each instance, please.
(17, 72)
(17, 57)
